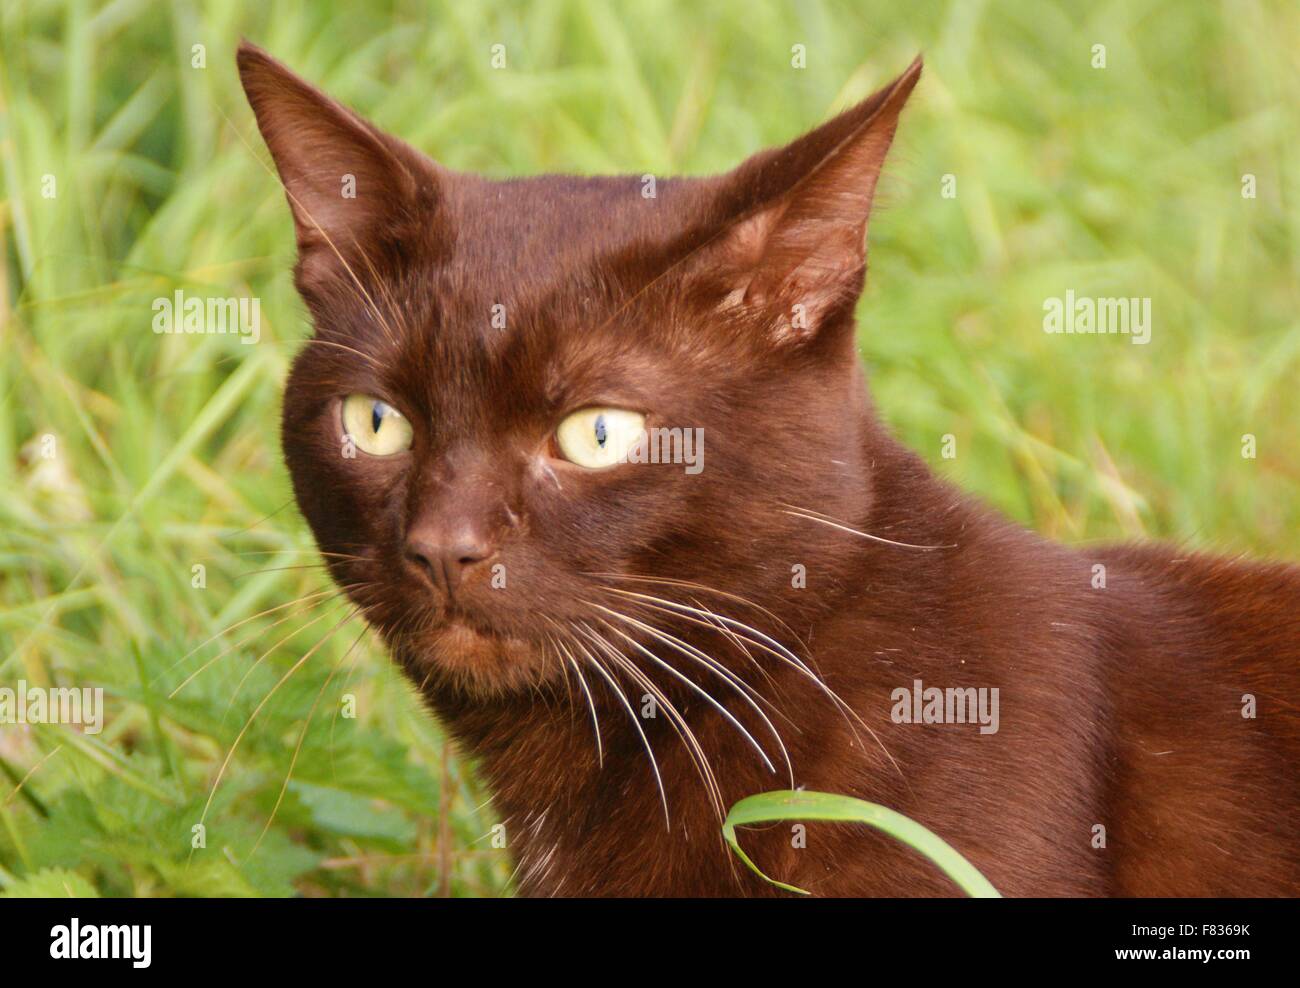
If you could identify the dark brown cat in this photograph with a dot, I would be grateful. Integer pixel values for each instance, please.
(493, 362)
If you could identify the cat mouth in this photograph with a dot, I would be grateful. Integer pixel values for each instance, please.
(459, 633)
(462, 622)
(478, 656)
(466, 633)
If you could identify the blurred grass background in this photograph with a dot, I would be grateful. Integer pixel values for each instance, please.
(1122, 181)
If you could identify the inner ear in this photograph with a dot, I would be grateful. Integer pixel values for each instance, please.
(790, 249)
(798, 275)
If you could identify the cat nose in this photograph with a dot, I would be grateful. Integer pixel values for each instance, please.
(445, 560)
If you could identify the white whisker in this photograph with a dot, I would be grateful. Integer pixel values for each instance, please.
(804, 513)
(654, 765)
(702, 692)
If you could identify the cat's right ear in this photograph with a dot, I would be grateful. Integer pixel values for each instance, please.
(355, 192)
(789, 252)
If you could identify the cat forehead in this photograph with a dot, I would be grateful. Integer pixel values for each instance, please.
(523, 288)
(548, 225)
(539, 258)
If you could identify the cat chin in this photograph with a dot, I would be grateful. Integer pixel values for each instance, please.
(480, 661)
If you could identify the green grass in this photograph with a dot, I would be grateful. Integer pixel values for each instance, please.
(802, 805)
(1117, 181)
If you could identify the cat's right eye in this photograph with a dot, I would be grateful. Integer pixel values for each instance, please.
(376, 426)
(599, 437)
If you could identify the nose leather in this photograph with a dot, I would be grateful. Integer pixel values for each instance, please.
(446, 552)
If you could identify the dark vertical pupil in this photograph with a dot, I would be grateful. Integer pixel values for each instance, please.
(600, 430)
(377, 415)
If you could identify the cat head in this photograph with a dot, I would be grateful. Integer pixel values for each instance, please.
(535, 410)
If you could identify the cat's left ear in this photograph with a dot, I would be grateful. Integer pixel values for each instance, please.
(792, 250)
(357, 194)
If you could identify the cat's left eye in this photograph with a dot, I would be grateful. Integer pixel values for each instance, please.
(599, 437)
(376, 426)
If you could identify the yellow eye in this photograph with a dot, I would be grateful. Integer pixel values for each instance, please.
(376, 427)
(599, 437)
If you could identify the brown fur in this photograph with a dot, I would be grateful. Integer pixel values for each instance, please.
(1120, 707)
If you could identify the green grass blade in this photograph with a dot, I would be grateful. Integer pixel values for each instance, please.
(770, 807)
